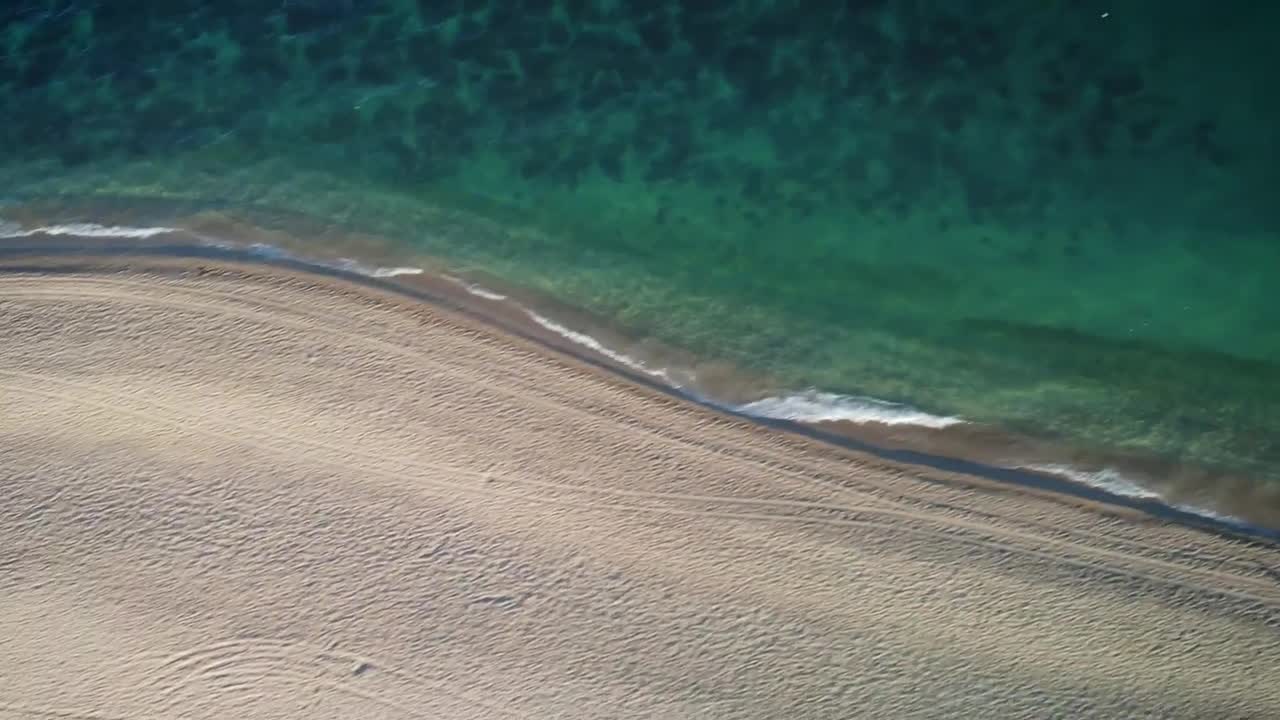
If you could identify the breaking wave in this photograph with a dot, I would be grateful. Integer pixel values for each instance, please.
(475, 289)
(89, 230)
(816, 406)
(347, 264)
(1104, 479)
(591, 343)
(1116, 483)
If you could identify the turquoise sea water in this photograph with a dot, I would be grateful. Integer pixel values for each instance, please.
(1059, 218)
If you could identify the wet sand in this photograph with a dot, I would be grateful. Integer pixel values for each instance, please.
(230, 490)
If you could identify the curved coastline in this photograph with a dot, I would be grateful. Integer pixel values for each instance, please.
(221, 473)
(18, 252)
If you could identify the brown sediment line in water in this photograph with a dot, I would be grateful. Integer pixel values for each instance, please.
(1198, 490)
(231, 489)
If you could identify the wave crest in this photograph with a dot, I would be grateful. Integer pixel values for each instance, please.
(591, 343)
(91, 230)
(815, 406)
(1106, 479)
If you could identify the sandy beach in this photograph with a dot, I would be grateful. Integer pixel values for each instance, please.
(232, 491)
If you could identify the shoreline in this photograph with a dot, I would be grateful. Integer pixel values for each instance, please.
(936, 449)
(1010, 425)
(262, 488)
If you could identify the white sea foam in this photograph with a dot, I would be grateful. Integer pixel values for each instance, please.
(394, 271)
(377, 272)
(271, 251)
(476, 289)
(815, 406)
(810, 406)
(1105, 479)
(593, 344)
(1116, 483)
(94, 230)
(262, 249)
(1197, 510)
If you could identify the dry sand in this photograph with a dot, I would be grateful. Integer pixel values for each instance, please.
(241, 492)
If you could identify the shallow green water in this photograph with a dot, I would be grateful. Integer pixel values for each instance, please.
(1059, 217)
